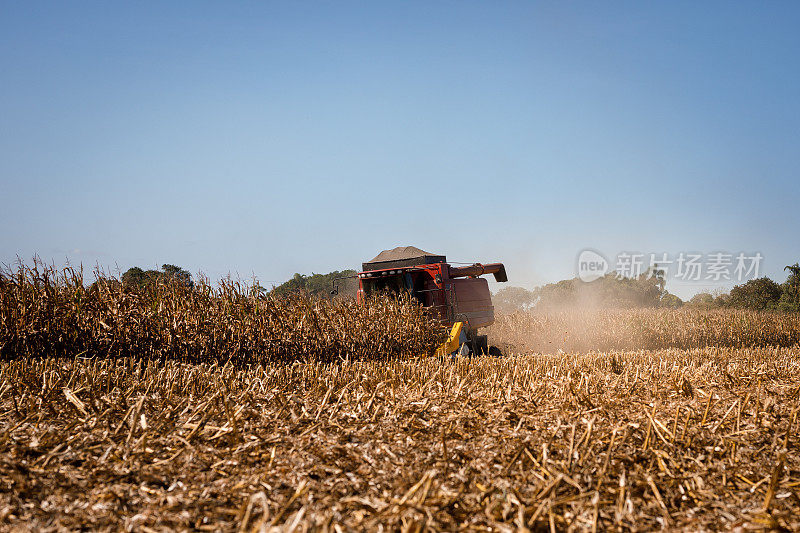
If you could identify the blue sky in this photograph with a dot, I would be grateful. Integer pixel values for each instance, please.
(266, 139)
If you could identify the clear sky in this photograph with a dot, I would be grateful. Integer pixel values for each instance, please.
(265, 139)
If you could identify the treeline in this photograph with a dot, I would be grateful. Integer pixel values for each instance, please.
(648, 291)
(318, 285)
(136, 277)
(645, 291)
(610, 291)
(760, 294)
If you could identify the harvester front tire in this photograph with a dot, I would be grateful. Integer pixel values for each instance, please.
(482, 344)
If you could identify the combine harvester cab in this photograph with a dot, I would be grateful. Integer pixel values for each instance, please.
(455, 295)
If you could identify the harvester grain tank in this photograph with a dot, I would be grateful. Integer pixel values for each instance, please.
(455, 295)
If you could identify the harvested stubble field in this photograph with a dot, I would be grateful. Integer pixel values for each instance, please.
(685, 439)
(291, 426)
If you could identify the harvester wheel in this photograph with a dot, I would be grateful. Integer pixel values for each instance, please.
(494, 351)
(482, 344)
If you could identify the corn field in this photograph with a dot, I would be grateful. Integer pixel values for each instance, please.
(47, 312)
(221, 410)
(649, 329)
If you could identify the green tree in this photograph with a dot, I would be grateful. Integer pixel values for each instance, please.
(790, 290)
(702, 299)
(135, 277)
(722, 300)
(176, 273)
(671, 301)
(760, 293)
(510, 299)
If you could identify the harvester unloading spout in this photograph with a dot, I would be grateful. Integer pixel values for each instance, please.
(478, 269)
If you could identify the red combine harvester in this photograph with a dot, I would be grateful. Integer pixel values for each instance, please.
(455, 295)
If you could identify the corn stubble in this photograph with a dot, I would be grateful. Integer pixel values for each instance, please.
(689, 438)
(697, 439)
